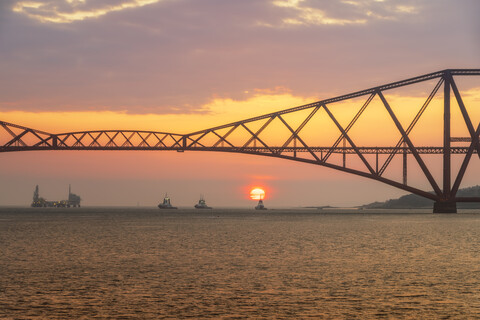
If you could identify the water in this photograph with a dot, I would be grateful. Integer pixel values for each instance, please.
(232, 264)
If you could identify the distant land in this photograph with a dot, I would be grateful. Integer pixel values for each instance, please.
(412, 201)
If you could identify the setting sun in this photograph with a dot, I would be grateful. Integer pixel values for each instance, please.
(257, 194)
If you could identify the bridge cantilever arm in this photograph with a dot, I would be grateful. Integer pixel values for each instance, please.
(393, 85)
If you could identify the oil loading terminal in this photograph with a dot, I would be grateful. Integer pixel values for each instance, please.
(73, 200)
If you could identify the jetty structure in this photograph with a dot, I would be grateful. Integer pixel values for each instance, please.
(166, 204)
(202, 204)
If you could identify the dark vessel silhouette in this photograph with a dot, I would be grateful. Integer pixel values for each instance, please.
(260, 205)
(166, 203)
(202, 204)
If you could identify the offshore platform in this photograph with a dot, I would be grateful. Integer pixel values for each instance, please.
(73, 200)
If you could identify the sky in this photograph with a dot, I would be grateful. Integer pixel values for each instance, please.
(185, 65)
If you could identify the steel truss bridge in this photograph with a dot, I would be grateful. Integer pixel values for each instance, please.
(14, 137)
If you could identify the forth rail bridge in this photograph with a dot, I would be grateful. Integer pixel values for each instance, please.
(369, 161)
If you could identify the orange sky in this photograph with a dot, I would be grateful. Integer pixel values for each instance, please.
(373, 129)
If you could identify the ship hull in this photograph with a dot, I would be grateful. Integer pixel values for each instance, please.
(166, 207)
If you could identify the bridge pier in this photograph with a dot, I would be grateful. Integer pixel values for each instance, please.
(445, 207)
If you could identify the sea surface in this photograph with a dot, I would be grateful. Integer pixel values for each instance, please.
(146, 263)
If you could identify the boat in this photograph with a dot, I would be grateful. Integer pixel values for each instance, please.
(166, 203)
(202, 204)
(260, 205)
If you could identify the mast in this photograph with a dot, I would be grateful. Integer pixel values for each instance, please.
(35, 194)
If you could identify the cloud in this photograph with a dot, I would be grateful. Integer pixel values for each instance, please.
(176, 56)
(341, 13)
(67, 11)
(298, 12)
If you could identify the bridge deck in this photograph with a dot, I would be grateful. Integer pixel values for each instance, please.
(340, 150)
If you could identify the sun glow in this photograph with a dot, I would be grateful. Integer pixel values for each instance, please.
(257, 194)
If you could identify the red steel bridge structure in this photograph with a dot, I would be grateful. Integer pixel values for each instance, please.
(374, 160)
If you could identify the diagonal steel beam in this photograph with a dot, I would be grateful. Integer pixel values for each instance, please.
(253, 135)
(160, 140)
(473, 145)
(42, 140)
(46, 141)
(411, 126)
(79, 140)
(258, 132)
(412, 148)
(184, 140)
(221, 139)
(180, 139)
(196, 140)
(144, 139)
(12, 134)
(18, 138)
(95, 139)
(464, 111)
(299, 139)
(224, 137)
(350, 125)
(110, 142)
(300, 127)
(127, 141)
(369, 167)
(62, 141)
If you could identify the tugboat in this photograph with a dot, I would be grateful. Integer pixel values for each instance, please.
(166, 203)
(260, 205)
(201, 204)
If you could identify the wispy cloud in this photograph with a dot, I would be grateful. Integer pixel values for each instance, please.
(67, 11)
(341, 13)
